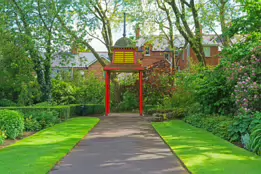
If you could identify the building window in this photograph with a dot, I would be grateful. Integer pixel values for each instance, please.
(147, 51)
(207, 51)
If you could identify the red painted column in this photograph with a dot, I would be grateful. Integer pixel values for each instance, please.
(107, 94)
(141, 94)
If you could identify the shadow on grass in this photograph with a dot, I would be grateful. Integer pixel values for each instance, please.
(203, 152)
(40, 152)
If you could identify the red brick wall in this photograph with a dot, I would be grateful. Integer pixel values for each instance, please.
(97, 70)
(155, 56)
(213, 60)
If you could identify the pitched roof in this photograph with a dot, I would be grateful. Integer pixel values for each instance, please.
(160, 43)
(83, 59)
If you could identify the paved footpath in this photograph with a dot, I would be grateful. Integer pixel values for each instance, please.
(121, 144)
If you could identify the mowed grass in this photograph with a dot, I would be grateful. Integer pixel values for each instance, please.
(39, 153)
(205, 153)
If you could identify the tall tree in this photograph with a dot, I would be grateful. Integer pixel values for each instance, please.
(37, 23)
(86, 20)
(217, 16)
(170, 29)
(182, 10)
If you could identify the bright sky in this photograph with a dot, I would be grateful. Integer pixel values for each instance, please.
(116, 34)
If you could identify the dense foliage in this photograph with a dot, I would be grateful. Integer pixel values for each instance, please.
(218, 125)
(11, 123)
(255, 140)
(38, 120)
(78, 89)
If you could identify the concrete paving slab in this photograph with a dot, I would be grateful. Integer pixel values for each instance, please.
(121, 144)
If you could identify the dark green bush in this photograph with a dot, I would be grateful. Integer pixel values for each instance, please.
(31, 124)
(218, 125)
(148, 107)
(12, 123)
(43, 118)
(64, 111)
(242, 125)
(5, 102)
(255, 140)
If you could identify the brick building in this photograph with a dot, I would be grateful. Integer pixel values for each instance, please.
(84, 62)
(186, 54)
(151, 50)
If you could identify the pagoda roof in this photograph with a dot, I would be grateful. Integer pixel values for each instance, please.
(124, 42)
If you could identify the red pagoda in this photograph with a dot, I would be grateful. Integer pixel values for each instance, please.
(124, 60)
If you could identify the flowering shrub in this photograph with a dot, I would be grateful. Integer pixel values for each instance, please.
(245, 74)
(158, 82)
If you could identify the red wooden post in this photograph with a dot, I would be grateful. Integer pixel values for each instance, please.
(141, 94)
(107, 94)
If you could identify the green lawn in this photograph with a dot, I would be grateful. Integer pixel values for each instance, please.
(39, 153)
(205, 153)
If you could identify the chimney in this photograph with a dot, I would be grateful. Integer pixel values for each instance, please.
(137, 30)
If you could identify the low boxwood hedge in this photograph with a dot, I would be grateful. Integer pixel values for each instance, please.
(86, 109)
(65, 111)
(218, 125)
(11, 123)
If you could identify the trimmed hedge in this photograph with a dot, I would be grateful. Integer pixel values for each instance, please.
(218, 125)
(65, 111)
(5, 103)
(11, 123)
(87, 109)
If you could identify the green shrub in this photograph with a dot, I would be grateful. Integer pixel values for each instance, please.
(5, 102)
(98, 108)
(12, 123)
(255, 140)
(129, 102)
(31, 124)
(64, 111)
(242, 125)
(148, 107)
(63, 92)
(218, 125)
(171, 112)
(43, 118)
(2, 137)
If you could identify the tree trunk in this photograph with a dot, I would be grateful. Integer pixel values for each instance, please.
(223, 22)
